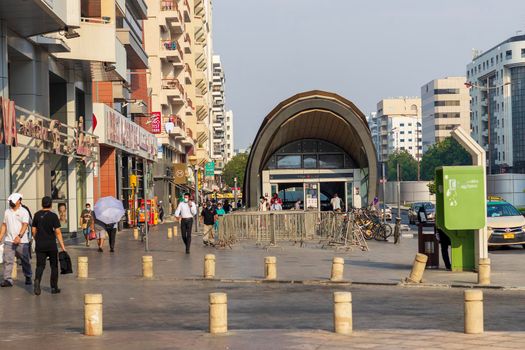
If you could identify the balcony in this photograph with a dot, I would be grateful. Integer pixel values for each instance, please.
(140, 7)
(136, 56)
(188, 75)
(171, 50)
(187, 43)
(170, 11)
(199, 8)
(187, 11)
(172, 92)
(188, 140)
(32, 17)
(96, 42)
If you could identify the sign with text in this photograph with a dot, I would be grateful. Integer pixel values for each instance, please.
(209, 169)
(156, 122)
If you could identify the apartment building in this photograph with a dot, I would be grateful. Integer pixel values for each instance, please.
(60, 59)
(178, 44)
(398, 125)
(228, 130)
(496, 80)
(372, 121)
(218, 116)
(446, 105)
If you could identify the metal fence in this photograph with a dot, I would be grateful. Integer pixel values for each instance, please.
(269, 228)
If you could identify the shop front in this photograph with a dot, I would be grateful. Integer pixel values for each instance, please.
(48, 158)
(127, 155)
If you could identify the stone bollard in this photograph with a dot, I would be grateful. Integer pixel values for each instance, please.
(338, 265)
(484, 271)
(82, 267)
(135, 233)
(416, 275)
(218, 313)
(175, 231)
(270, 268)
(147, 266)
(209, 266)
(473, 311)
(170, 233)
(343, 313)
(93, 314)
(14, 274)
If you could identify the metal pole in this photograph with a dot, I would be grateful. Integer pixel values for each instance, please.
(398, 192)
(197, 197)
(384, 193)
(146, 226)
(488, 128)
(417, 152)
(235, 192)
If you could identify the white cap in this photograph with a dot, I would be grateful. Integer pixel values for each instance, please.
(14, 197)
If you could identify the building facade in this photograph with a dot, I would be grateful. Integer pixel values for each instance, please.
(398, 124)
(373, 124)
(218, 116)
(445, 105)
(228, 130)
(496, 78)
(178, 44)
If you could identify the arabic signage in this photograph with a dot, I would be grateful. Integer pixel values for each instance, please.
(156, 122)
(120, 132)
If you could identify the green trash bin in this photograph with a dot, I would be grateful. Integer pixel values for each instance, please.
(460, 210)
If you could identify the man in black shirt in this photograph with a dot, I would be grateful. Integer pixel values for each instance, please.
(46, 230)
(208, 218)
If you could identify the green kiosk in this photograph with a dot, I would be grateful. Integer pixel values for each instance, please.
(460, 210)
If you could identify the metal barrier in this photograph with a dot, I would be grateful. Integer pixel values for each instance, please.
(269, 228)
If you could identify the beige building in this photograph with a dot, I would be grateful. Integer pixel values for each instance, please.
(178, 44)
(398, 125)
(446, 105)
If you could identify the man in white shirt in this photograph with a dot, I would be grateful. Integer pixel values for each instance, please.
(184, 214)
(336, 203)
(15, 228)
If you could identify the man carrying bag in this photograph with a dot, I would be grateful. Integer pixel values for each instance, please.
(46, 231)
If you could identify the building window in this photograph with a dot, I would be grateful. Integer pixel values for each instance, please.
(446, 91)
(446, 103)
(402, 124)
(522, 53)
(331, 161)
(288, 162)
(310, 161)
(401, 132)
(508, 54)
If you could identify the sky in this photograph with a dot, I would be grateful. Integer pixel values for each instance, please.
(362, 50)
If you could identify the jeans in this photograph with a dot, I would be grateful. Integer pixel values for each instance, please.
(21, 251)
(41, 258)
(85, 231)
(112, 233)
(185, 228)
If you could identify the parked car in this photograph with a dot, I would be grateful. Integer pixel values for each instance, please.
(505, 224)
(388, 212)
(430, 209)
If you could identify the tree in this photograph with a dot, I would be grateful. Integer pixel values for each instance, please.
(235, 168)
(447, 152)
(407, 166)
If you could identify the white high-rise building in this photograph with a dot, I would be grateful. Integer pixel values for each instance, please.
(373, 124)
(497, 80)
(228, 124)
(446, 105)
(398, 123)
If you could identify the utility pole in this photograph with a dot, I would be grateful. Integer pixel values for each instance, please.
(418, 124)
(197, 197)
(488, 127)
(235, 192)
(398, 191)
(384, 193)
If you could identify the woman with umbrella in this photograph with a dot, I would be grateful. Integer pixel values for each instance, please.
(108, 211)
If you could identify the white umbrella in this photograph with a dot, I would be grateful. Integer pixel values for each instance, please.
(109, 210)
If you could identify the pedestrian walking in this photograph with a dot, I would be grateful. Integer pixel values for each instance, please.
(185, 212)
(263, 204)
(220, 212)
(444, 242)
(100, 231)
(85, 222)
(227, 207)
(161, 212)
(15, 228)
(111, 230)
(208, 219)
(46, 230)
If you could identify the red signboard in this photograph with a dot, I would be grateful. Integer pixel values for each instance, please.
(156, 122)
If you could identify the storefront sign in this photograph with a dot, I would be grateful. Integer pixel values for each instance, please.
(118, 131)
(8, 134)
(209, 169)
(55, 136)
(156, 122)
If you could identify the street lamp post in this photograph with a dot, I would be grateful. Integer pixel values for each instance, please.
(197, 197)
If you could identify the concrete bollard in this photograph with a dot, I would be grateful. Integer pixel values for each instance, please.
(147, 266)
(338, 265)
(473, 311)
(416, 275)
(135, 233)
(270, 268)
(170, 233)
(93, 314)
(218, 313)
(82, 267)
(484, 271)
(175, 231)
(343, 313)
(14, 274)
(209, 266)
